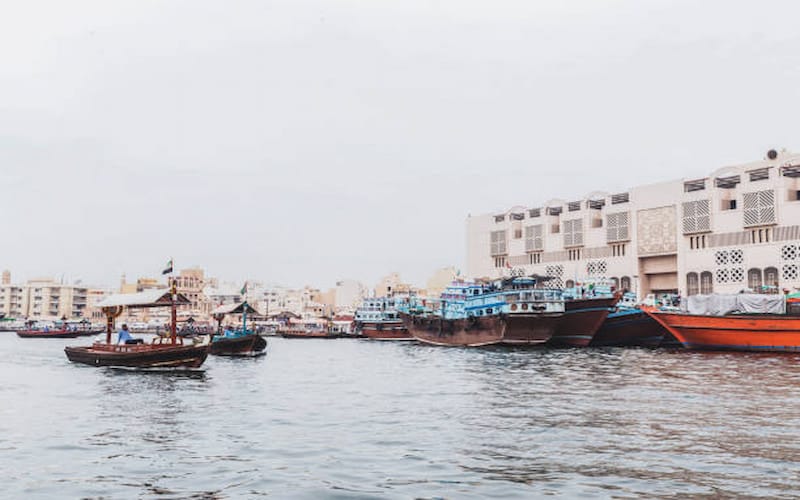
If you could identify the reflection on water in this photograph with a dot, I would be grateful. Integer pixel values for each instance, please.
(359, 419)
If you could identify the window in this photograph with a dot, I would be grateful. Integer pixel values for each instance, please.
(759, 208)
(729, 204)
(692, 284)
(554, 210)
(759, 175)
(499, 218)
(696, 185)
(729, 182)
(518, 233)
(761, 235)
(696, 216)
(500, 261)
(617, 227)
(573, 232)
(498, 245)
(754, 279)
(518, 216)
(574, 206)
(596, 204)
(534, 238)
(697, 242)
(535, 258)
(616, 199)
(535, 212)
(625, 283)
(569, 284)
(771, 277)
(574, 254)
(706, 283)
(618, 250)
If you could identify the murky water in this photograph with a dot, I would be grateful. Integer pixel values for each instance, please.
(361, 419)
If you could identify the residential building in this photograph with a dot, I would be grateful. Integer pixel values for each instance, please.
(736, 228)
(43, 299)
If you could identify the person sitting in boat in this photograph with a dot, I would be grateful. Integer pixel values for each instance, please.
(228, 331)
(124, 336)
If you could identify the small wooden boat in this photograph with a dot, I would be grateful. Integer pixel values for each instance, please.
(244, 343)
(169, 352)
(49, 334)
(307, 334)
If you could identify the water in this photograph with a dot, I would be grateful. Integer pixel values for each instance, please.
(361, 419)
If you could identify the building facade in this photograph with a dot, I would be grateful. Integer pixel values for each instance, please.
(43, 299)
(737, 228)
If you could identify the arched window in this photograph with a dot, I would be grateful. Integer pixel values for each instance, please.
(570, 284)
(625, 283)
(692, 284)
(615, 283)
(706, 282)
(754, 279)
(771, 277)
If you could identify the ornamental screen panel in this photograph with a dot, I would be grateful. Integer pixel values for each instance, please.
(534, 238)
(759, 208)
(617, 227)
(573, 232)
(498, 246)
(696, 216)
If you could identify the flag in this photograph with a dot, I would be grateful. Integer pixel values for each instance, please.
(167, 269)
(243, 291)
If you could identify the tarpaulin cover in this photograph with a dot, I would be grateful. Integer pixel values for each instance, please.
(718, 304)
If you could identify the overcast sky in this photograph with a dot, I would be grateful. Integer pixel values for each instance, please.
(300, 142)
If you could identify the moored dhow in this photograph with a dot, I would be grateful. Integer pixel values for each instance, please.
(377, 318)
(740, 322)
(236, 343)
(510, 311)
(628, 325)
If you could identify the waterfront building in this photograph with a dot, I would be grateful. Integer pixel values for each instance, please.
(6, 280)
(736, 228)
(43, 298)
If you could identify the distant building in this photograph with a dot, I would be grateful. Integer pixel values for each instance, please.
(6, 280)
(737, 228)
(391, 284)
(440, 280)
(43, 299)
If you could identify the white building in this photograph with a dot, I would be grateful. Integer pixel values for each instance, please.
(737, 228)
(43, 299)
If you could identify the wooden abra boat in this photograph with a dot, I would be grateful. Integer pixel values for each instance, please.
(48, 334)
(168, 352)
(244, 343)
(753, 331)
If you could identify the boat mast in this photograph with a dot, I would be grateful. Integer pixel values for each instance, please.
(174, 296)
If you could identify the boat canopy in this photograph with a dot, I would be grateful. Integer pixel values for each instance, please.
(719, 304)
(239, 308)
(149, 298)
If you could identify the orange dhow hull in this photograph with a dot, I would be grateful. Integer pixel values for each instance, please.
(762, 332)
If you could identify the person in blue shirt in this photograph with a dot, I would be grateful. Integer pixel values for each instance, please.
(228, 332)
(124, 336)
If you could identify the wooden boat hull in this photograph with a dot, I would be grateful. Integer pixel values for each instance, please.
(517, 329)
(762, 332)
(52, 334)
(386, 331)
(582, 318)
(140, 355)
(246, 345)
(57, 334)
(629, 328)
(308, 335)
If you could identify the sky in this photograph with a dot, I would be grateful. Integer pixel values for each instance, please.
(304, 141)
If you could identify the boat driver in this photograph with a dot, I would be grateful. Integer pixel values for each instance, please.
(228, 331)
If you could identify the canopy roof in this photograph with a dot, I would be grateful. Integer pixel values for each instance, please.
(149, 298)
(239, 308)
